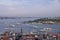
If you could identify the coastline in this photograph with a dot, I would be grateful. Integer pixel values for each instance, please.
(41, 23)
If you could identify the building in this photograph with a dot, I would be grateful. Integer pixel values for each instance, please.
(6, 36)
(28, 37)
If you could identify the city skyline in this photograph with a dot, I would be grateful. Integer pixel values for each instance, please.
(30, 8)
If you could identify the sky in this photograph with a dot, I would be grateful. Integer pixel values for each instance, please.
(30, 8)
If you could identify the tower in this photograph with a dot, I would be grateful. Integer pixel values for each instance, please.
(21, 31)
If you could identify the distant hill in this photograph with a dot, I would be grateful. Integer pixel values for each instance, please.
(45, 20)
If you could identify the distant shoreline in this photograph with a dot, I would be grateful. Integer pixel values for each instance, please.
(45, 21)
(42, 23)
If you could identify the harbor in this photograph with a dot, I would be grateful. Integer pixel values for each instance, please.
(16, 30)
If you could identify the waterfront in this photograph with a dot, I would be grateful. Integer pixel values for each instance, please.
(5, 24)
(14, 29)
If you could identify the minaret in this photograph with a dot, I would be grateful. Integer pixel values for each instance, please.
(21, 31)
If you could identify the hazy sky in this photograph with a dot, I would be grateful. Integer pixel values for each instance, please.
(27, 8)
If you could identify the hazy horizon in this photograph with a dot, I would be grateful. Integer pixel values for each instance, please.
(30, 8)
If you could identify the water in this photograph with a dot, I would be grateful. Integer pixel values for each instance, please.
(4, 25)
